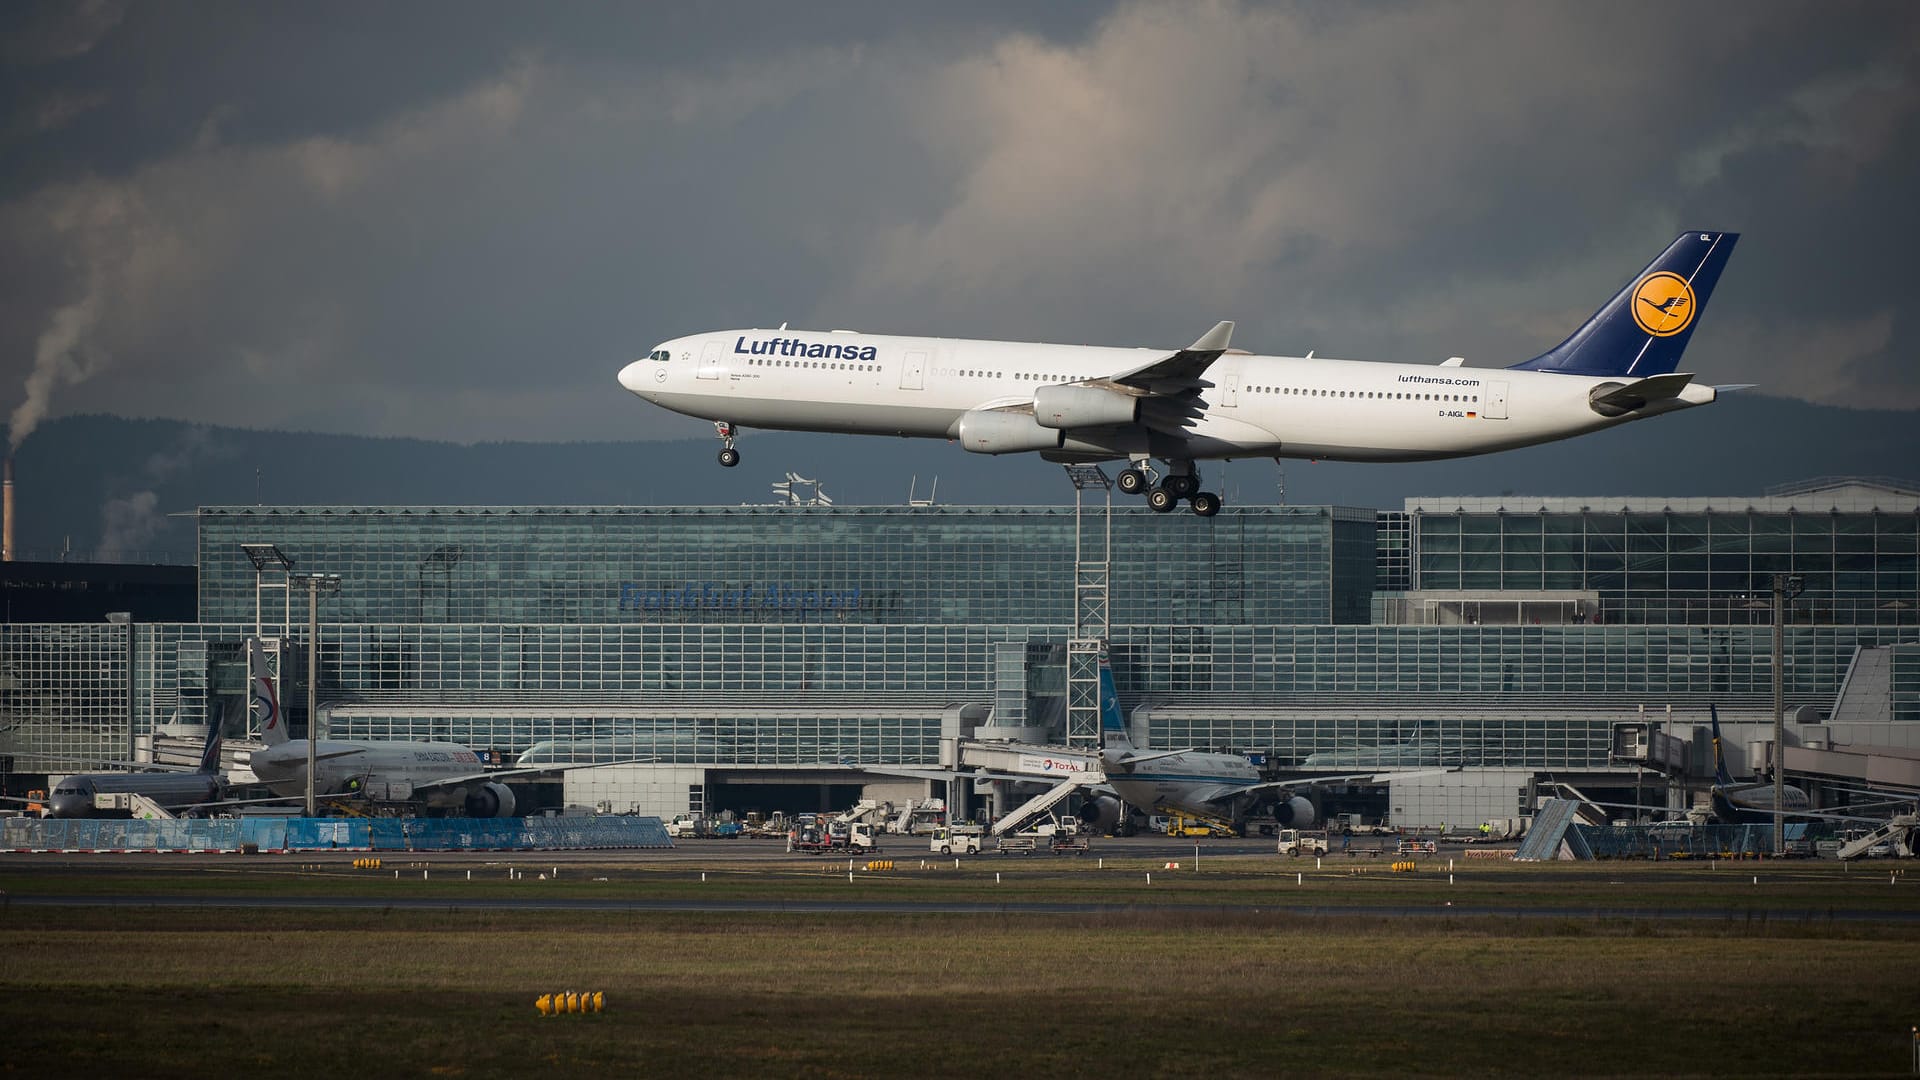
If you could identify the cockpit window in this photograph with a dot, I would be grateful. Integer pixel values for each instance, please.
(661, 355)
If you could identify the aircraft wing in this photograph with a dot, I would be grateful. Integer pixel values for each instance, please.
(1173, 383)
(1224, 792)
(1181, 370)
(534, 770)
(119, 765)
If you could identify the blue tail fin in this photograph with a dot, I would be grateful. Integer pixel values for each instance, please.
(210, 754)
(1113, 726)
(1645, 327)
(1720, 775)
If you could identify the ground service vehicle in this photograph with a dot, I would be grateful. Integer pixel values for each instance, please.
(684, 825)
(1072, 843)
(1296, 843)
(822, 838)
(1180, 825)
(957, 839)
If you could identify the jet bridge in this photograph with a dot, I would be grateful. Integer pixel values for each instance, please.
(1067, 769)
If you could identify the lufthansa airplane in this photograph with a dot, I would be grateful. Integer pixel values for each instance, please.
(1086, 404)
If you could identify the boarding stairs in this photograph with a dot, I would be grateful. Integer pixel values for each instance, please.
(1553, 835)
(1045, 801)
(1896, 833)
(145, 808)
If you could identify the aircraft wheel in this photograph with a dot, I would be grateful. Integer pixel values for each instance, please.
(1182, 484)
(1205, 503)
(729, 457)
(1162, 500)
(1131, 481)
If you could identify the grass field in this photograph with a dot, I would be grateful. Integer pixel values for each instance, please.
(1201, 974)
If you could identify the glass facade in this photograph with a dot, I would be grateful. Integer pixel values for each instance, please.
(871, 693)
(787, 636)
(1665, 562)
(804, 565)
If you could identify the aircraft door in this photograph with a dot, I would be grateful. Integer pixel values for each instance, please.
(913, 370)
(1230, 392)
(710, 367)
(1496, 403)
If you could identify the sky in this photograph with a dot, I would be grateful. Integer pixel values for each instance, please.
(459, 220)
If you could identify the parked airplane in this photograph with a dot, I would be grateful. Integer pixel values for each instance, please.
(438, 775)
(1750, 802)
(1206, 401)
(1196, 783)
(78, 796)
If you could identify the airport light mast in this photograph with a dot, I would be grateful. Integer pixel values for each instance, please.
(1785, 588)
(316, 584)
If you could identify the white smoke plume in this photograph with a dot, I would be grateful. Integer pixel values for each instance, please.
(62, 355)
(129, 524)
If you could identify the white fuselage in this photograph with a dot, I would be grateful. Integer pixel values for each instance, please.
(357, 767)
(1179, 783)
(1258, 406)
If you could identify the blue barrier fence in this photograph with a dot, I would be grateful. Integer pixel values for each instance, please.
(333, 834)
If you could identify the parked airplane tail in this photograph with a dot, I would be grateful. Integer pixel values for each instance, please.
(1645, 327)
(1720, 775)
(265, 697)
(1113, 726)
(210, 754)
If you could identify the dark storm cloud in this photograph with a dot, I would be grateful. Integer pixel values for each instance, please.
(457, 221)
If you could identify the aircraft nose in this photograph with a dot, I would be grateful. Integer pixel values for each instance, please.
(631, 375)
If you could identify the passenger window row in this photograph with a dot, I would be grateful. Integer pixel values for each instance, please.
(1376, 395)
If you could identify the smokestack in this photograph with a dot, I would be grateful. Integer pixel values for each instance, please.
(6, 516)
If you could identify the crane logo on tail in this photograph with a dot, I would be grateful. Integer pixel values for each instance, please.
(1663, 303)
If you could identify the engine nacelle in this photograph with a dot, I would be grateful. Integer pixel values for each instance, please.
(1101, 814)
(984, 431)
(1083, 406)
(1295, 813)
(492, 799)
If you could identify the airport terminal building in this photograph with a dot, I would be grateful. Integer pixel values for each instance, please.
(763, 656)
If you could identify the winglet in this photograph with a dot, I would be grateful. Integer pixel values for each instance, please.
(1214, 340)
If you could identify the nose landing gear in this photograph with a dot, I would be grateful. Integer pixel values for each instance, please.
(729, 457)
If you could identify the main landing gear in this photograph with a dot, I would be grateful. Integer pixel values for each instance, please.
(1182, 483)
(729, 457)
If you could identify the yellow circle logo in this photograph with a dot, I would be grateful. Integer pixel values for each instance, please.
(1663, 304)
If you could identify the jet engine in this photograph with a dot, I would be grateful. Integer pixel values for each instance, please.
(1102, 814)
(492, 799)
(985, 431)
(1083, 406)
(1295, 813)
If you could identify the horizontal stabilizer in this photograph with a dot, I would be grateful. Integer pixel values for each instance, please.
(1619, 399)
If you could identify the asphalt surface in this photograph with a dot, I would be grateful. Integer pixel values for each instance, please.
(722, 856)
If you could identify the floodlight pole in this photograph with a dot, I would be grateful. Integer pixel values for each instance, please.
(1785, 588)
(315, 582)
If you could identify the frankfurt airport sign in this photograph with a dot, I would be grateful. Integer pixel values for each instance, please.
(713, 596)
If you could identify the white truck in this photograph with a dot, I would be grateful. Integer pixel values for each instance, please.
(1298, 842)
(683, 826)
(958, 839)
